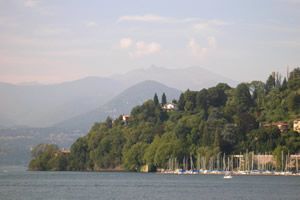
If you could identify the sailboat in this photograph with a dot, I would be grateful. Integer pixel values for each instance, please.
(228, 173)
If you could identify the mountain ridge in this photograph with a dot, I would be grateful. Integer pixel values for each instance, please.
(193, 78)
(44, 105)
(130, 97)
(39, 105)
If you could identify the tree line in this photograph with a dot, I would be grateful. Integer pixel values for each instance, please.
(219, 119)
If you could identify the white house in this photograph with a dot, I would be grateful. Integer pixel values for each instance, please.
(125, 118)
(169, 106)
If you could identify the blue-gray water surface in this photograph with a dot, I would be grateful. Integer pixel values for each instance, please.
(131, 186)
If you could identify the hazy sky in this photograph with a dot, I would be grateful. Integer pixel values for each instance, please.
(54, 40)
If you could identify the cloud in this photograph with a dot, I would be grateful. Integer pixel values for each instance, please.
(142, 48)
(209, 25)
(199, 51)
(91, 24)
(31, 3)
(200, 24)
(143, 18)
(139, 48)
(151, 18)
(125, 43)
(196, 49)
(39, 7)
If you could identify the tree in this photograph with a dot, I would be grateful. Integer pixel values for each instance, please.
(284, 85)
(155, 99)
(223, 86)
(229, 138)
(293, 102)
(134, 157)
(216, 96)
(163, 99)
(168, 147)
(43, 157)
(147, 112)
(42, 148)
(190, 100)
(270, 83)
(79, 156)
(257, 90)
(201, 100)
(151, 151)
(279, 154)
(263, 139)
(181, 102)
(294, 79)
(109, 122)
(243, 99)
(181, 130)
(245, 123)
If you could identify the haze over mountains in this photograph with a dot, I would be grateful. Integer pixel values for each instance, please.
(44, 105)
(95, 97)
(69, 109)
(193, 78)
(121, 104)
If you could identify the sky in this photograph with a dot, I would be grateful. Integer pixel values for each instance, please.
(50, 41)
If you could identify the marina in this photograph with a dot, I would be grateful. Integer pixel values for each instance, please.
(244, 164)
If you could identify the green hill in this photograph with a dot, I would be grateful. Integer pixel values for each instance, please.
(217, 120)
(120, 104)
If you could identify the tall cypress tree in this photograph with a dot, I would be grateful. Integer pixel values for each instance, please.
(163, 99)
(155, 99)
(270, 84)
(181, 102)
(284, 85)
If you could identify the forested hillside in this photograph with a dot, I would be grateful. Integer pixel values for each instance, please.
(206, 122)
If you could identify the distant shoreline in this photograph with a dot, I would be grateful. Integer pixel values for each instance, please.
(221, 173)
(236, 173)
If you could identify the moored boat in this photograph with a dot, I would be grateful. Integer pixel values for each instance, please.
(227, 175)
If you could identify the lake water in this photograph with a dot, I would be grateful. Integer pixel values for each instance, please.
(92, 185)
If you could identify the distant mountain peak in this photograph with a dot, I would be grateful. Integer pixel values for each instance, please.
(194, 78)
(120, 104)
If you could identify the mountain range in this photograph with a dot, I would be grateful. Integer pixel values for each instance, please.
(93, 98)
(121, 104)
(193, 78)
(45, 105)
(68, 110)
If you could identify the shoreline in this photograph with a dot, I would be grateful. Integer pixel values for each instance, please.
(234, 173)
(222, 173)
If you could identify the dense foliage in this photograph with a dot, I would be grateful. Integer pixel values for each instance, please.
(206, 122)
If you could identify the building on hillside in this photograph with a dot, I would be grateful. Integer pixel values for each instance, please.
(282, 126)
(62, 151)
(125, 118)
(296, 126)
(169, 106)
(65, 151)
